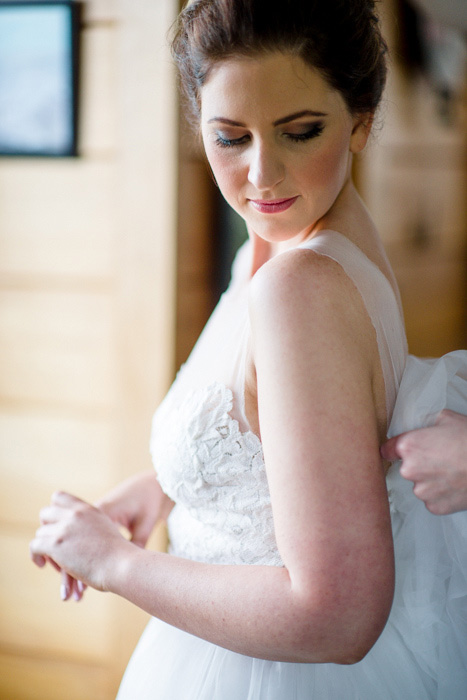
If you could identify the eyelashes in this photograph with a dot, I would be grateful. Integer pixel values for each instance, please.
(311, 133)
(315, 130)
(229, 143)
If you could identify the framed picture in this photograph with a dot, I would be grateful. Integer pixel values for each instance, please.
(39, 51)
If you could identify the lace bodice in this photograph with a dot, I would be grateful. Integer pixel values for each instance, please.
(207, 458)
(216, 475)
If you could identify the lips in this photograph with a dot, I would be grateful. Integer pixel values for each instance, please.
(272, 206)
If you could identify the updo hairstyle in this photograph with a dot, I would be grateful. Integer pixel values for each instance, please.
(340, 38)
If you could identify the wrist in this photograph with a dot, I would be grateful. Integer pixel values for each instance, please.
(119, 566)
(129, 572)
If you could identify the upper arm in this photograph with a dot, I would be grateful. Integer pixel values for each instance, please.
(314, 352)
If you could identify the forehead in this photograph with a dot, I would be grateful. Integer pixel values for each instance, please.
(266, 85)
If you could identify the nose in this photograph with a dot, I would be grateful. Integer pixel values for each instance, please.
(266, 169)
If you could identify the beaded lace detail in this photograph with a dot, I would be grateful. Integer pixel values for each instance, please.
(216, 475)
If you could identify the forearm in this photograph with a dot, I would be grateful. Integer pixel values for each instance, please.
(137, 504)
(301, 613)
(253, 610)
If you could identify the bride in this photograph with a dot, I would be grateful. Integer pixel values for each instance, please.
(280, 578)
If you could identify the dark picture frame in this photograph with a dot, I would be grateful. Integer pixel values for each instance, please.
(39, 72)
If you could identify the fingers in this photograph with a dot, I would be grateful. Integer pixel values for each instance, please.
(113, 511)
(402, 447)
(54, 564)
(71, 588)
(37, 550)
(66, 500)
(389, 450)
(141, 530)
(399, 446)
(50, 518)
(38, 560)
(140, 539)
(41, 560)
(66, 586)
(59, 502)
(50, 514)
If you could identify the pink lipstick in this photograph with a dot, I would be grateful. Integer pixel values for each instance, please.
(272, 206)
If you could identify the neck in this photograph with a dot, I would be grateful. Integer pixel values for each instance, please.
(262, 251)
(345, 209)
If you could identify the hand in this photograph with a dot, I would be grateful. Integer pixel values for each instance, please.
(69, 587)
(435, 459)
(137, 504)
(80, 540)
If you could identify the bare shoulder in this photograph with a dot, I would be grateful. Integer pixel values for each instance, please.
(304, 284)
(300, 265)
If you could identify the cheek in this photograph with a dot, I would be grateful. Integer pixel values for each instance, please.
(227, 172)
(328, 169)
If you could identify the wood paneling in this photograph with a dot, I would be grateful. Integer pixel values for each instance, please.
(196, 251)
(413, 178)
(52, 679)
(73, 631)
(98, 12)
(57, 347)
(57, 218)
(98, 126)
(433, 292)
(87, 318)
(44, 450)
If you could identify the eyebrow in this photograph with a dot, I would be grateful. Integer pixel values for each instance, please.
(298, 115)
(278, 122)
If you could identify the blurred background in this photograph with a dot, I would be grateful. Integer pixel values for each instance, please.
(114, 247)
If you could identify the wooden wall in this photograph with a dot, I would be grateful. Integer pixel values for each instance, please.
(197, 236)
(87, 325)
(413, 177)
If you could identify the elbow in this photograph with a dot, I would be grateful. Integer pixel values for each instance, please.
(356, 643)
(338, 651)
(339, 636)
(353, 654)
(341, 624)
(346, 654)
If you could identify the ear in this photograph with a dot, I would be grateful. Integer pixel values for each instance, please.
(361, 131)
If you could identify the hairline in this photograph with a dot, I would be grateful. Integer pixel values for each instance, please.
(259, 51)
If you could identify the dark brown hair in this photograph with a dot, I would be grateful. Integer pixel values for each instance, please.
(340, 38)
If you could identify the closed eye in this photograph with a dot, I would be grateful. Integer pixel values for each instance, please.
(311, 133)
(224, 142)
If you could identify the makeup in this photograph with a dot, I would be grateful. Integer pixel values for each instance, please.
(272, 206)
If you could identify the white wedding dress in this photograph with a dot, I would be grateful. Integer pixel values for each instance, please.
(211, 464)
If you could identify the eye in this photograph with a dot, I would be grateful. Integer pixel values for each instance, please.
(224, 142)
(311, 133)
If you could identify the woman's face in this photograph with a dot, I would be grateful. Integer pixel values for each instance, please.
(279, 140)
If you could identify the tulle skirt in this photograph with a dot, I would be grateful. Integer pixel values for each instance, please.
(169, 664)
(422, 652)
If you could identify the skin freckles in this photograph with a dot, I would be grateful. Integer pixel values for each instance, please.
(254, 157)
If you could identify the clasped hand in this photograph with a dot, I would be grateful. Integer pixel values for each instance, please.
(79, 540)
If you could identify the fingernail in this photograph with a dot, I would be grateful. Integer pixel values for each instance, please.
(80, 585)
(76, 596)
(63, 592)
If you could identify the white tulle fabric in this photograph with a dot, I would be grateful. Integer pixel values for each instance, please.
(430, 603)
(211, 464)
